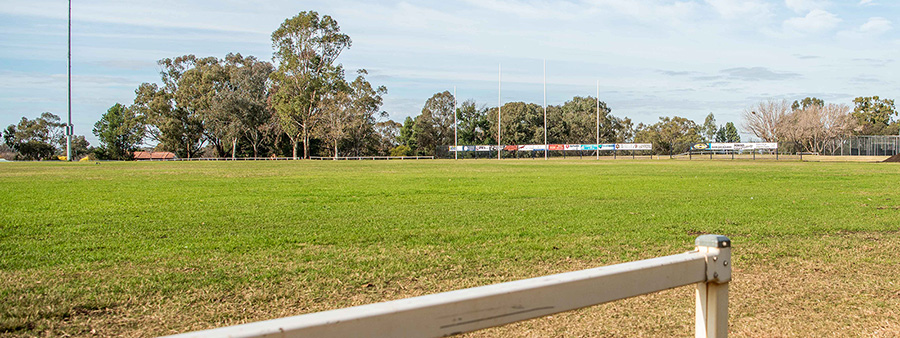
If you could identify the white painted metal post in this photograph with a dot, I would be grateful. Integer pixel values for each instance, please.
(712, 295)
(546, 145)
(455, 133)
(69, 128)
(598, 119)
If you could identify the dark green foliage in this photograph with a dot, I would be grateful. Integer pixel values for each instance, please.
(401, 150)
(731, 133)
(306, 49)
(669, 135)
(173, 127)
(120, 131)
(434, 126)
(874, 116)
(364, 109)
(806, 103)
(474, 127)
(728, 133)
(521, 123)
(408, 134)
(388, 136)
(38, 139)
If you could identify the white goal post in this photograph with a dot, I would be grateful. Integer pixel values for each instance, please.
(454, 312)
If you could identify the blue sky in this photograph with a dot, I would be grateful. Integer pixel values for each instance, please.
(652, 57)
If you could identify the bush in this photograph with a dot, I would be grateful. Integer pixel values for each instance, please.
(401, 150)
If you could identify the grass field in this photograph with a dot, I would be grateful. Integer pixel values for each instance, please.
(140, 249)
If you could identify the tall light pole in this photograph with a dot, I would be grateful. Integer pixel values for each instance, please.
(546, 146)
(499, 104)
(455, 132)
(69, 69)
(598, 119)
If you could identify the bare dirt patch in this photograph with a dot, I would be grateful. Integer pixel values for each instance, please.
(895, 158)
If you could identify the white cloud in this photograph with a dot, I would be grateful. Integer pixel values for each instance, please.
(876, 25)
(816, 21)
(801, 6)
(649, 10)
(735, 9)
(871, 29)
(532, 10)
(189, 16)
(866, 2)
(652, 11)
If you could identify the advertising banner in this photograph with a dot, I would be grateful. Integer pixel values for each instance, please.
(735, 146)
(634, 146)
(607, 147)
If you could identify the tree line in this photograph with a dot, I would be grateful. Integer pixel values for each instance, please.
(573, 122)
(237, 106)
(303, 103)
(811, 125)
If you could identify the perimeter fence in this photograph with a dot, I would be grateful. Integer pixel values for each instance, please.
(872, 145)
(750, 150)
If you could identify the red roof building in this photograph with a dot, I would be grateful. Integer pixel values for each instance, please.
(153, 155)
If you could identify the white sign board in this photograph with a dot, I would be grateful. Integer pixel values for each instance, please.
(634, 146)
(736, 146)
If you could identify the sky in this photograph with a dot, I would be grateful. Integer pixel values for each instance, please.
(651, 58)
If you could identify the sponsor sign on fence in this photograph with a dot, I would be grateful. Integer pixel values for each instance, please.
(561, 147)
(735, 146)
(634, 146)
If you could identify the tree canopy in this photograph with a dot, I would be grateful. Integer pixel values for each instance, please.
(120, 131)
(306, 49)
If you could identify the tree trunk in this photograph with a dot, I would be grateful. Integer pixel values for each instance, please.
(233, 147)
(305, 143)
(294, 143)
(335, 149)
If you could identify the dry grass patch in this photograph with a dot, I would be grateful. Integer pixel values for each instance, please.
(843, 284)
(840, 285)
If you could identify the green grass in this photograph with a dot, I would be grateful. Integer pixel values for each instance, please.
(202, 244)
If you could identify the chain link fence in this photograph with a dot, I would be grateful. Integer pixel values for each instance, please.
(873, 145)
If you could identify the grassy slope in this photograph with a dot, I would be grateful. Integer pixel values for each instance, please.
(154, 248)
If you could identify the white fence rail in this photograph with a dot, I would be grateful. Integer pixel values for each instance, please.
(291, 158)
(342, 158)
(454, 312)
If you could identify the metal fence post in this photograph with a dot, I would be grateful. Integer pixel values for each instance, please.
(712, 295)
